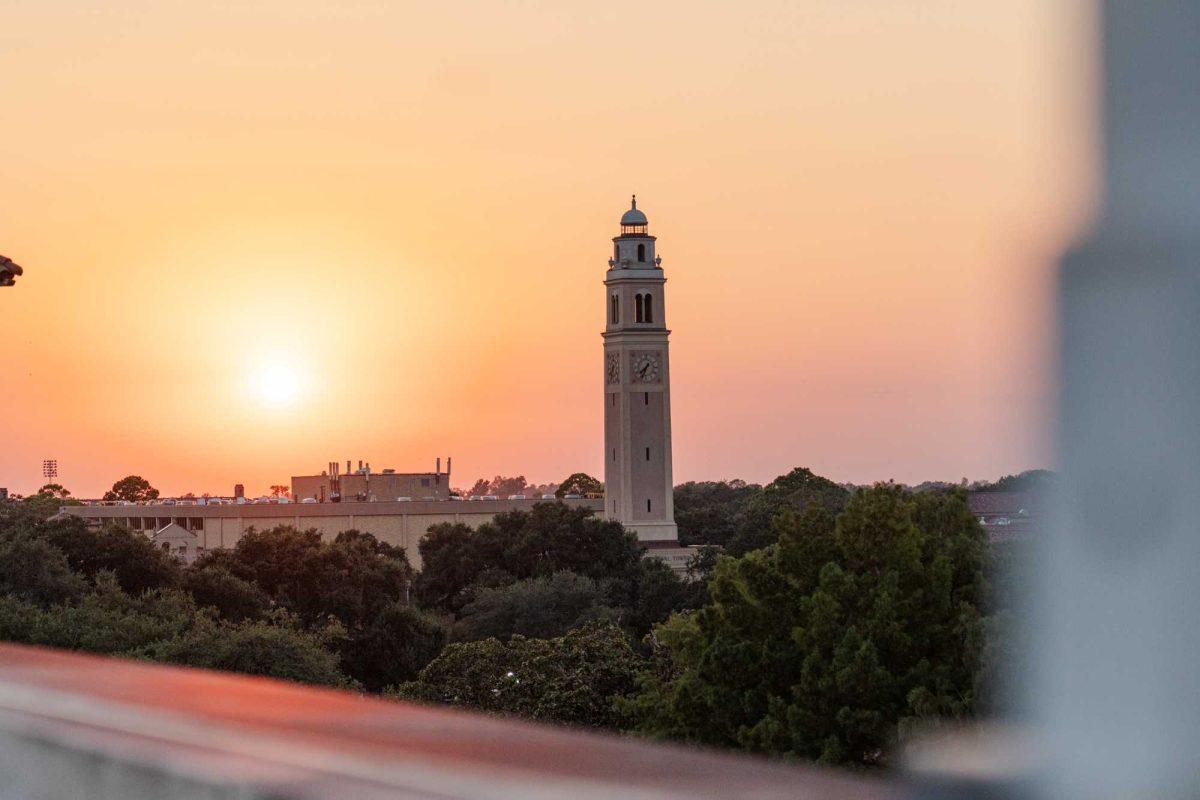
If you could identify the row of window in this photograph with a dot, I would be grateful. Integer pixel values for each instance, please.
(643, 308)
(154, 523)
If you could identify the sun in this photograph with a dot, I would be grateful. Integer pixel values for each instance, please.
(277, 384)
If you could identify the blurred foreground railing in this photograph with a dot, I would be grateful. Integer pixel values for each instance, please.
(74, 726)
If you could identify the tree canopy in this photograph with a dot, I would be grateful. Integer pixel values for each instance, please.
(133, 488)
(516, 545)
(576, 678)
(710, 512)
(827, 643)
(541, 608)
(796, 492)
(579, 483)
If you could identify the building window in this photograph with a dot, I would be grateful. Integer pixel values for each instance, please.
(614, 454)
(642, 253)
(649, 308)
(637, 302)
(647, 505)
(647, 453)
(616, 309)
(645, 398)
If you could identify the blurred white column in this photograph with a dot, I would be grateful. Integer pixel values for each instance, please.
(1115, 682)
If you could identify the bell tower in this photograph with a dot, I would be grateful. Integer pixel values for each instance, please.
(637, 386)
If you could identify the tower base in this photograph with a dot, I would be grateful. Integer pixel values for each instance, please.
(654, 531)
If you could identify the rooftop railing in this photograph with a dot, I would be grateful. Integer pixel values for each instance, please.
(74, 725)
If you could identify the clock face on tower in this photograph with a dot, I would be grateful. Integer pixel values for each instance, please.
(612, 368)
(645, 367)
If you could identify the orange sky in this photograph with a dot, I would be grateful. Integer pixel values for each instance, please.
(409, 205)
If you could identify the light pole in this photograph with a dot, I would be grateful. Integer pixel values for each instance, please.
(8, 271)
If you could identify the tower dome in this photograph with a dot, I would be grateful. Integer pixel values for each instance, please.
(633, 220)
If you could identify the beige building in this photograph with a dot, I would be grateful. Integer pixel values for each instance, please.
(363, 485)
(198, 529)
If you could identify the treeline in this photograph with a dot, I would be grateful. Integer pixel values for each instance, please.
(836, 621)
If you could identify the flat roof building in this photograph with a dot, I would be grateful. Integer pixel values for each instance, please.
(363, 485)
(397, 522)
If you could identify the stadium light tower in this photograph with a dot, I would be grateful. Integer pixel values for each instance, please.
(8, 271)
(50, 468)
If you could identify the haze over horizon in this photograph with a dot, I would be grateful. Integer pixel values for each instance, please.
(261, 236)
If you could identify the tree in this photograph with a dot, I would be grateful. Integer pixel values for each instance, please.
(711, 512)
(797, 491)
(575, 679)
(516, 545)
(480, 488)
(1028, 481)
(107, 620)
(274, 649)
(132, 558)
(231, 597)
(392, 647)
(503, 487)
(45, 505)
(34, 571)
(134, 489)
(650, 593)
(536, 607)
(55, 490)
(449, 564)
(579, 483)
(350, 578)
(829, 643)
(279, 490)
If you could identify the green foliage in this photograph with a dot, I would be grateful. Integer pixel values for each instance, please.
(579, 483)
(275, 649)
(710, 512)
(353, 578)
(393, 647)
(45, 504)
(109, 621)
(575, 679)
(517, 545)
(33, 570)
(137, 564)
(797, 491)
(133, 488)
(536, 607)
(651, 592)
(824, 644)
(1027, 481)
(231, 597)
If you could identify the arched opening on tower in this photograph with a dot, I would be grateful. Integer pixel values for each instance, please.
(642, 253)
(637, 308)
(649, 308)
(616, 309)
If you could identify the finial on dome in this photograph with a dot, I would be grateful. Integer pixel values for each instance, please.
(633, 221)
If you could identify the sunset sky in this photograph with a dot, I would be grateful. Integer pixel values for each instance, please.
(260, 236)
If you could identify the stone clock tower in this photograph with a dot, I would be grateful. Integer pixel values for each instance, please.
(637, 387)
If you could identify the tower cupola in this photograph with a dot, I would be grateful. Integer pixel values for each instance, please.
(634, 248)
(633, 221)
